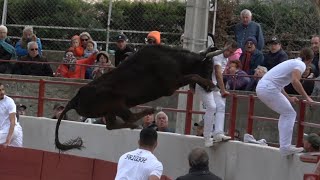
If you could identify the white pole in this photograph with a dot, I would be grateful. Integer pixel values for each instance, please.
(108, 25)
(214, 17)
(4, 12)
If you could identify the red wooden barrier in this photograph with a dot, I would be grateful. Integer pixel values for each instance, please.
(66, 167)
(104, 170)
(311, 177)
(20, 163)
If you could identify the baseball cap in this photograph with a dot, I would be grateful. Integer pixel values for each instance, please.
(201, 123)
(21, 106)
(274, 40)
(122, 37)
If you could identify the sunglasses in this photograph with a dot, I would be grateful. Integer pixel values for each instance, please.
(250, 43)
(34, 49)
(84, 39)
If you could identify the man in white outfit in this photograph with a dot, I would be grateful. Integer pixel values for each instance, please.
(10, 130)
(141, 163)
(270, 91)
(215, 101)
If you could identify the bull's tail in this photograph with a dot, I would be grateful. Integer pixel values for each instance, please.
(72, 143)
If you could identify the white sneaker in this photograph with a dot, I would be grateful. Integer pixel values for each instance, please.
(290, 150)
(220, 137)
(208, 142)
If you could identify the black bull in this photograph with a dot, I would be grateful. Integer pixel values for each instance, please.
(149, 74)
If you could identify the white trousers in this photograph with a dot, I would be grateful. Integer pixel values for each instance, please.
(17, 137)
(275, 100)
(215, 107)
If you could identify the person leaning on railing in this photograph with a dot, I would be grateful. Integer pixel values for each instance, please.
(73, 68)
(41, 68)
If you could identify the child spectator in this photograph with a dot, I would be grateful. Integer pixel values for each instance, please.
(76, 47)
(104, 64)
(90, 49)
(74, 68)
(238, 81)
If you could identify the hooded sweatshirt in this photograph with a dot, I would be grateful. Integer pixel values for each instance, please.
(155, 35)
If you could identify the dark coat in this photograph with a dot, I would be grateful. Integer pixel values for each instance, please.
(120, 55)
(273, 59)
(199, 174)
(34, 69)
(257, 58)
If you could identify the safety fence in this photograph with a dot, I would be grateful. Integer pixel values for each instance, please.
(301, 123)
(30, 164)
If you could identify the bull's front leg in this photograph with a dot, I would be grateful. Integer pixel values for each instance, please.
(206, 84)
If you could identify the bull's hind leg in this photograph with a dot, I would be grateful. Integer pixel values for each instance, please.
(206, 84)
(129, 117)
(114, 123)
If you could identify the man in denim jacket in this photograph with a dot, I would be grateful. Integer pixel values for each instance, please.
(247, 28)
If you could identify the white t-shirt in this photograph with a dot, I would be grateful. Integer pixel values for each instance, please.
(7, 106)
(280, 75)
(138, 165)
(221, 61)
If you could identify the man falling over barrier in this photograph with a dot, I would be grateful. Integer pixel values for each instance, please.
(270, 91)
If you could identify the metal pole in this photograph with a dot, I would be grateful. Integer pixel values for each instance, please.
(108, 25)
(189, 112)
(302, 113)
(4, 12)
(233, 115)
(214, 17)
(250, 114)
(41, 97)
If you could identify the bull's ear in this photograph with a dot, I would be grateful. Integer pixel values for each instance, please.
(217, 52)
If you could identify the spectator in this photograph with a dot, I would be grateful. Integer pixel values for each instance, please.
(238, 81)
(248, 28)
(11, 131)
(311, 143)
(7, 51)
(153, 37)
(306, 81)
(76, 47)
(251, 58)
(104, 64)
(141, 161)
(235, 56)
(122, 49)
(199, 166)
(276, 54)
(85, 37)
(74, 68)
(162, 122)
(315, 45)
(90, 49)
(39, 68)
(199, 128)
(148, 122)
(57, 110)
(258, 74)
(21, 109)
(27, 36)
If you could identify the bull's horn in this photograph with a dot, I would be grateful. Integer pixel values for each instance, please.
(216, 53)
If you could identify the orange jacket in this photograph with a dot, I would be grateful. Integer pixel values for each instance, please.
(77, 51)
(79, 72)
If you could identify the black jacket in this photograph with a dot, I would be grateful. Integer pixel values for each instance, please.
(33, 69)
(120, 55)
(197, 174)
